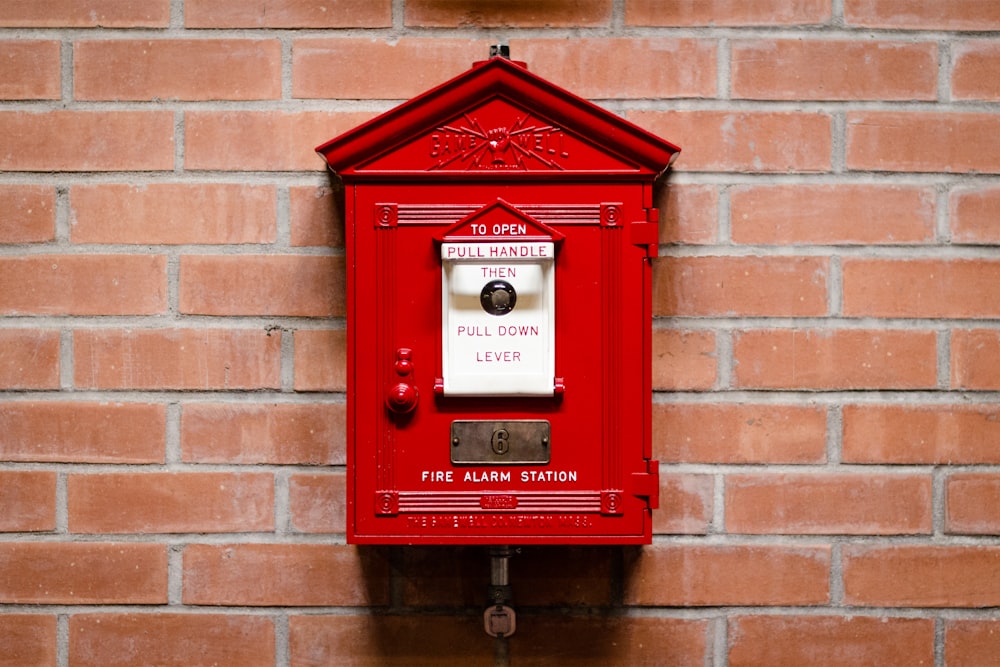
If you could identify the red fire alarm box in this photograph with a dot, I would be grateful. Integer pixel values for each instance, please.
(499, 236)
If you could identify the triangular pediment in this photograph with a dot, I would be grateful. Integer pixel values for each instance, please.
(494, 120)
(499, 221)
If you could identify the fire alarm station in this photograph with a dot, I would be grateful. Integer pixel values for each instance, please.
(499, 235)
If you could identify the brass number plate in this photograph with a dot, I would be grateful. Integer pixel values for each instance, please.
(514, 442)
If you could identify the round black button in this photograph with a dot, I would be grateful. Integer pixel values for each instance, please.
(498, 297)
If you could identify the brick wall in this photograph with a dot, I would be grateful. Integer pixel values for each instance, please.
(826, 352)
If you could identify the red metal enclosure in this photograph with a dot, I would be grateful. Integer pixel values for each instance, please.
(499, 236)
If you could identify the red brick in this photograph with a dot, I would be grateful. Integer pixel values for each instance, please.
(973, 68)
(837, 70)
(86, 14)
(29, 213)
(739, 433)
(753, 141)
(828, 504)
(683, 359)
(170, 640)
(975, 215)
(923, 14)
(830, 641)
(316, 218)
(82, 432)
(971, 643)
(518, 14)
(427, 580)
(173, 213)
(294, 285)
(28, 499)
(697, 576)
(835, 359)
(923, 142)
(975, 359)
(282, 141)
(27, 639)
(689, 214)
(177, 359)
(971, 503)
(78, 140)
(150, 502)
(83, 573)
(283, 434)
(30, 70)
(284, 575)
(318, 503)
(671, 67)
(287, 14)
(83, 285)
(177, 69)
(831, 214)
(740, 286)
(340, 68)
(685, 504)
(921, 288)
(921, 576)
(320, 360)
(29, 359)
(921, 434)
(726, 13)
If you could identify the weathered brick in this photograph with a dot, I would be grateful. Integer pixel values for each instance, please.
(973, 65)
(726, 13)
(85, 14)
(177, 69)
(838, 70)
(294, 285)
(287, 14)
(173, 213)
(835, 359)
(28, 499)
(312, 434)
(689, 214)
(282, 141)
(30, 70)
(921, 576)
(921, 434)
(971, 643)
(922, 14)
(683, 359)
(814, 504)
(686, 503)
(830, 641)
(971, 501)
(170, 640)
(78, 140)
(284, 575)
(975, 215)
(29, 359)
(83, 573)
(923, 141)
(315, 217)
(755, 141)
(27, 639)
(928, 288)
(320, 360)
(722, 575)
(29, 213)
(740, 286)
(83, 285)
(849, 214)
(738, 433)
(177, 359)
(150, 502)
(317, 503)
(82, 432)
(465, 14)
(975, 359)
(672, 67)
